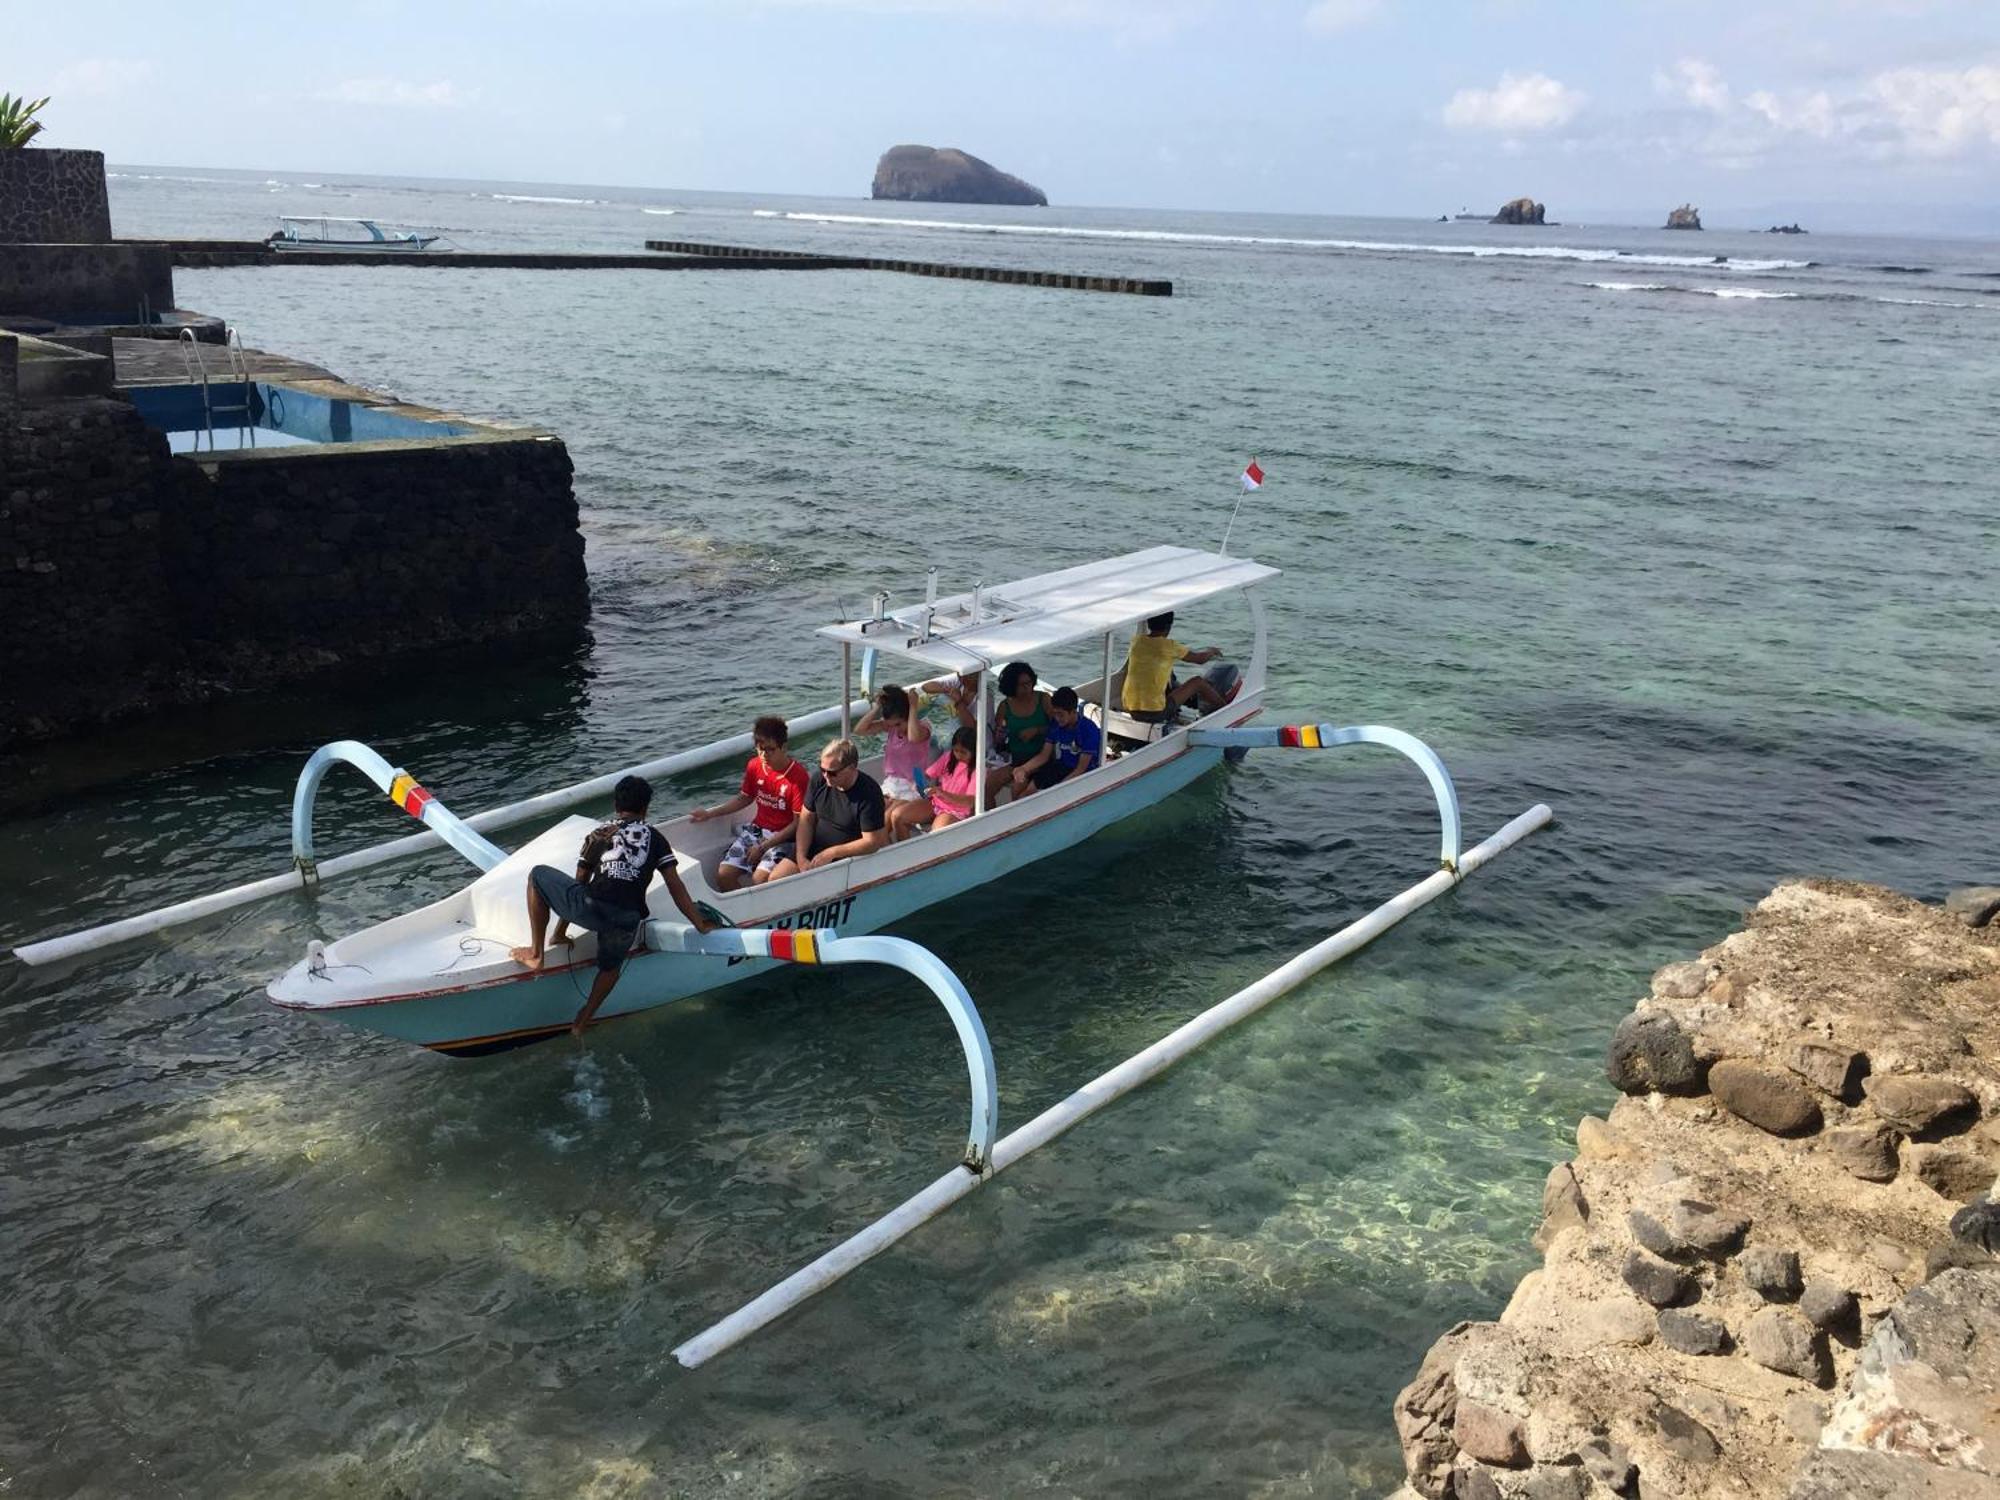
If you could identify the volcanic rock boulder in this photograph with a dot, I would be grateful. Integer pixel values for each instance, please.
(1521, 211)
(1920, 1104)
(1651, 1053)
(944, 174)
(1765, 1097)
(1687, 216)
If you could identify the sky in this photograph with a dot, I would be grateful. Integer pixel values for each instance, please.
(1853, 113)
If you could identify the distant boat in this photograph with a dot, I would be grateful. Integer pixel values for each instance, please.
(322, 233)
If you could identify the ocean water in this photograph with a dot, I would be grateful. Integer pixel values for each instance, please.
(1700, 552)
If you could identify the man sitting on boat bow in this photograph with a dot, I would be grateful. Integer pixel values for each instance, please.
(608, 895)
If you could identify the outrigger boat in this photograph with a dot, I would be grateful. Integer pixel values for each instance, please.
(441, 976)
(321, 233)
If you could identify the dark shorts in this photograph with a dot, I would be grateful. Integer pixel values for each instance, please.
(571, 900)
(1044, 776)
(1048, 773)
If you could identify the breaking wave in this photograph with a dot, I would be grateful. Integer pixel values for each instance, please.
(539, 198)
(1741, 293)
(1389, 247)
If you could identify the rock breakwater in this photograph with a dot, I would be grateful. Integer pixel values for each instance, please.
(1769, 1270)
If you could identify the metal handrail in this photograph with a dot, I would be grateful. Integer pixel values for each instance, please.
(826, 946)
(1326, 736)
(239, 376)
(196, 368)
(402, 789)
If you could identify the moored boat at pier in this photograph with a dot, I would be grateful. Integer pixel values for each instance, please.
(324, 233)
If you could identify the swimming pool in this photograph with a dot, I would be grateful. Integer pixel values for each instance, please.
(240, 417)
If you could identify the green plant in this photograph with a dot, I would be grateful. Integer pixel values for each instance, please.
(18, 124)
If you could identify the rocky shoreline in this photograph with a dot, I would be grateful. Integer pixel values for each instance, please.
(1769, 1271)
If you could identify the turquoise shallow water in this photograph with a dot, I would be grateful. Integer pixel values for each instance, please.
(1711, 575)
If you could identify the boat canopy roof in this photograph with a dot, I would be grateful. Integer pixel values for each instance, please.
(1052, 609)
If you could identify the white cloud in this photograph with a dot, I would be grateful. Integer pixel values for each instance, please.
(397, 93)
(99, 77)
(1696, 83)
(1329, 17)
(1519, 103)
(1802, 114)
(1939, 112)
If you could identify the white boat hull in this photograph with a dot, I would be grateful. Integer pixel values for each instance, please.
(440, 976)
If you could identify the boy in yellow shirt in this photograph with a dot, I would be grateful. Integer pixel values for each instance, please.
(1149, 667)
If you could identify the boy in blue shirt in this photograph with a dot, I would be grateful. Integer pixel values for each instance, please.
(1078, 743)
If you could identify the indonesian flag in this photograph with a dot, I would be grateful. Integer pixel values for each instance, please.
(1252, 476)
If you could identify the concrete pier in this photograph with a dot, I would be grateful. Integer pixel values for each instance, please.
(666, 255)
(1018, 276)
(219, 254)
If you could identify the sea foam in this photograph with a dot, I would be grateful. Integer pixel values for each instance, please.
(1391, 247)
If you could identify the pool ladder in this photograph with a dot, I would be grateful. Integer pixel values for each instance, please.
(196, 366)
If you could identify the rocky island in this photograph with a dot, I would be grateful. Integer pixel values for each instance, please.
(1521, 211)
(1687, 216)
(1769, 1271)
(944, 174)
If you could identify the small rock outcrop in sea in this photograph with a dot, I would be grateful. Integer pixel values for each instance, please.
(1687, 216)
(1521, 211)
(1786, 229)
(934, 174)
(1772, 1271)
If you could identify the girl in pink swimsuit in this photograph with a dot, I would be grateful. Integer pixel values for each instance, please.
(952, 780)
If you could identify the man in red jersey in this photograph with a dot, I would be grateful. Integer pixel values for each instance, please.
(777, 784)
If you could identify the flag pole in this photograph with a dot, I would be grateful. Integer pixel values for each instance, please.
(1244, 489)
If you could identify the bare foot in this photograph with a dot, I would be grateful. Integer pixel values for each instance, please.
(527, 958)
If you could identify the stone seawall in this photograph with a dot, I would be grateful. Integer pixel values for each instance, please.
(131, 579)
(89, 284)
(1768, 1272)
(53, 196)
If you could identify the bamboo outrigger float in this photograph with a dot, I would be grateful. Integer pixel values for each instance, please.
(441, 976)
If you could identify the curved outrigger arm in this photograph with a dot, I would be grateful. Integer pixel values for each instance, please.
(402, 790)
(825, 946)
(1325, 736)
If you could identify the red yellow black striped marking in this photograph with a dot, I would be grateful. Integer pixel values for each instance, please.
(406, 794)
(798, 946)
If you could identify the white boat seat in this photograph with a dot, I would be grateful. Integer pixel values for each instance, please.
(499, 898)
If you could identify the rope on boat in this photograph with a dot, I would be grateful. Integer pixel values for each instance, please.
(1093, 1096)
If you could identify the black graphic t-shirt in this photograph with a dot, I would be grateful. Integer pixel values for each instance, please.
(618, 860)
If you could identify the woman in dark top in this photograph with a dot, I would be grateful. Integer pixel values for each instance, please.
(1023, 717)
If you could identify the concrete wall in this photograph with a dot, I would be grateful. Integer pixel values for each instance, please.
(131, 579)
(53, 197)
(85, 283)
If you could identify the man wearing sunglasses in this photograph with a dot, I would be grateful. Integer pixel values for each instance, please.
(843, 815)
